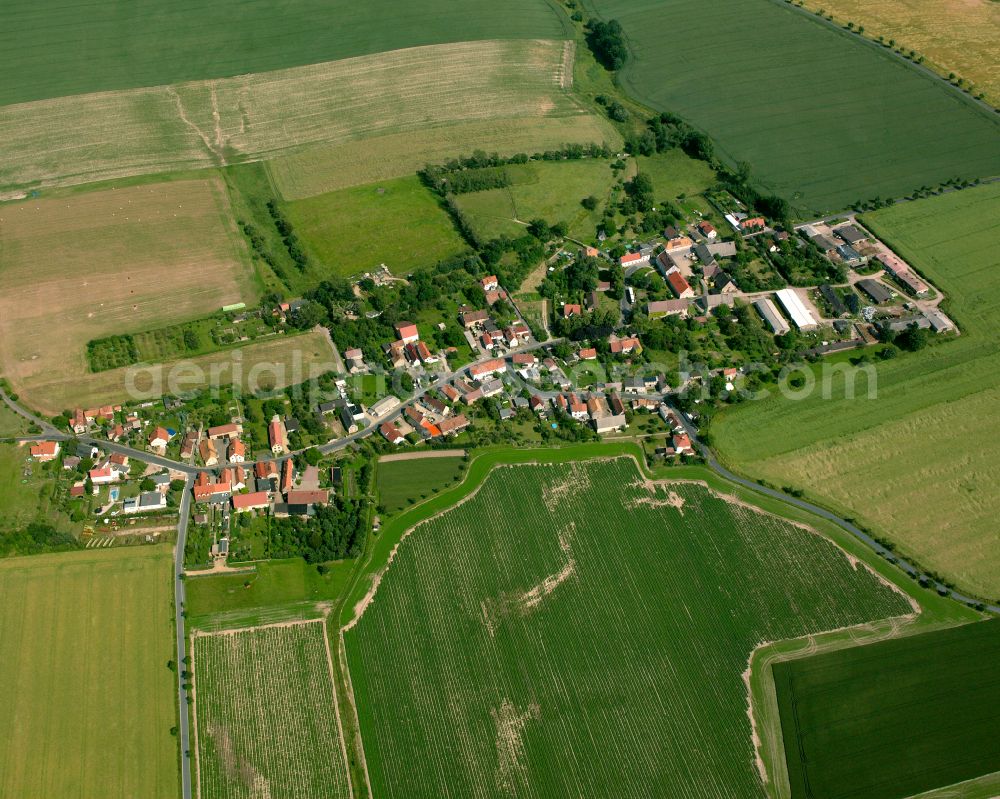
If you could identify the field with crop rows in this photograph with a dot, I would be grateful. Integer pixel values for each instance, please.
(959, 37)
(398, 223)
(108, 262)
(566, 619)
(921, 462)
(848, 716)
(549, 190)
(87, 48)
(266, 714)
(824, 118)
(88, 701)
(192, 125)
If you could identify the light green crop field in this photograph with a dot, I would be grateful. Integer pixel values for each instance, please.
(262, 115)
(266, 714)
(396, 222)
(848, 716)
(326, 167)
(401, 483)
(533, 639)
(88, 700)
(87, 48)
(824, 118)
(919, 464)
(549, 190)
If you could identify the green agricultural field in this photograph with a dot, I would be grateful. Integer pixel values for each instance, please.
(848, 717)
(815, 110)
(266, 714)
(567, 618)
(396, 222)
(403, 482)
(325, 167)
(88, 699)
(85, 48)
(549, 190)
(921, 463)
(270, 591)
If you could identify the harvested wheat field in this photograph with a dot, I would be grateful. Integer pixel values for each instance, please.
(106, 262)
(64, 141)
(960, 36)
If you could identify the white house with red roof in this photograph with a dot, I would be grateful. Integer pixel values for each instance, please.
(45, 451)
(277, 436)
(490, 283)
(407, 332)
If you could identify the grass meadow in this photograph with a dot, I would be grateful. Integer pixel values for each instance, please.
(813, 109)
(675, 175)
(919, 464)
(266, 714)
(848, 716)
(404, 482)
(332, 104)
(88, 700)
(87, 49)
(397, 222)
(272, 590)
(105, 262)
(27, 499)
(549, 190)
(483, 663)
(955, 37)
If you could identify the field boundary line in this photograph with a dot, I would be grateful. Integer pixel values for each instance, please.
(251, 628)
(416, 456)
(352, 701)
(194, 723)
(336, 709)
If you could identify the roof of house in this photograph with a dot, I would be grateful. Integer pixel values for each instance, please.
(569, 310)
(588, 353)
(45, 449)
(677, 283)
(224, 430)
(317, 496)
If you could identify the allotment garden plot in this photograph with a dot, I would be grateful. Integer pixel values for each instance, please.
(567, 619)
(266, 714)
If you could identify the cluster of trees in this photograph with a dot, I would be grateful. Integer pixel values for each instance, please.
(802, 264)
(443, 178)
(744, 331)
(594, 326)
(606, 41)
(738, 183)
(111, 352)
(577, 279)
(667, 131)
(466, 181)
(259, 246)
(336, 531)
(37, 537)
(615, 110)
(287, 233)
